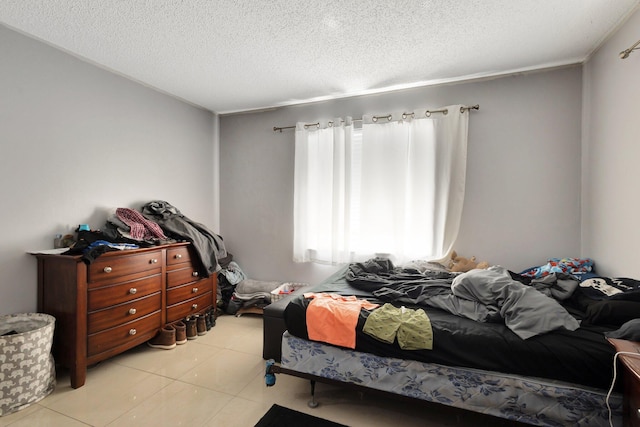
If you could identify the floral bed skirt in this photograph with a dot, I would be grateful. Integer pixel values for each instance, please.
(529, 400)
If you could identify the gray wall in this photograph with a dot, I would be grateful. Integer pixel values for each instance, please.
(76, 140)
(523, 183)
(610, 232)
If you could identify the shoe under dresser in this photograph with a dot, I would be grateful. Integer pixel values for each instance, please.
(118, 301)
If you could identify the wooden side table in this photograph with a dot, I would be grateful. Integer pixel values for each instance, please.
(630, 379)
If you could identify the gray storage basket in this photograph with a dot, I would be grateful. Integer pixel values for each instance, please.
(27, 369)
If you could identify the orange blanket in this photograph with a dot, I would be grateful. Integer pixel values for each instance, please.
(333, 318)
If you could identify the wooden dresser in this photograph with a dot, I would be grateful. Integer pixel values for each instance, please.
(117, 302)
(631, 379)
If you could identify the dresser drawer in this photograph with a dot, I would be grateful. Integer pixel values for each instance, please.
(123, 313)
(189, 307)
(178, 255)
(124, 267)
(182, 277)
(123, 334)
(116, 294)
(179, 294)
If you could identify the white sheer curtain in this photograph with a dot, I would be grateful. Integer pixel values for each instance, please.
(413, 181)
(398, 191)
(322, 189)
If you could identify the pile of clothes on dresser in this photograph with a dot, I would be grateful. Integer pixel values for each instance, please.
(158, 222)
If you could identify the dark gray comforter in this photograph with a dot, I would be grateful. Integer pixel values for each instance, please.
(482, 295)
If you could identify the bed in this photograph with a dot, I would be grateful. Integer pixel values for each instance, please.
(552, 378)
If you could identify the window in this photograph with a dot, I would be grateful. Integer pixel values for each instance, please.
(392, 188)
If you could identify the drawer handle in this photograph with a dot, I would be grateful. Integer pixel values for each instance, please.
(133, 291)
(178, 256)
(132, 311)
(107, 269)
(194, 274)
(132, 331)
(153, 261)
(194, 306)
(194, 290)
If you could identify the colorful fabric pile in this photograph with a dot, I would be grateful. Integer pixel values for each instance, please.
(561, 265)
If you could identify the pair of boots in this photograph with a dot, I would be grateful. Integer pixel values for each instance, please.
(175, 334)
(210, 318)
(200, 324)
(168, 336)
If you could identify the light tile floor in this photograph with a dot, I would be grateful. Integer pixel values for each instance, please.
(216, 380)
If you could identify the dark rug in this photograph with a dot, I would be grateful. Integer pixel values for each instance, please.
(279, 416)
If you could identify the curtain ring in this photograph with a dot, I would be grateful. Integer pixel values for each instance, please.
(330, 124)
(427, 113)
(445, 111)
(374, 119)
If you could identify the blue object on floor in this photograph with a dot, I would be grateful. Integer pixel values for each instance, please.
(269, 377)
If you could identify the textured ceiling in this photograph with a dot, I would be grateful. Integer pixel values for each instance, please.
(229, 56)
